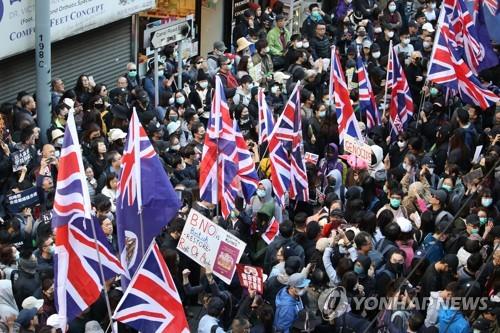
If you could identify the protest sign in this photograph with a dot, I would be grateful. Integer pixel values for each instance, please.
(251, 277)
(210, 245)
(358, 148)
(477, 154)
(311, 158)
(20, 158)
(26, 198)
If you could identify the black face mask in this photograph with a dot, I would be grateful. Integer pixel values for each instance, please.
(396, 268)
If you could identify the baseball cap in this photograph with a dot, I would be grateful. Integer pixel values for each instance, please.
(404, 224)
(441, 195)
(427, 160)
(116, 134)
(427, 26)
(28, 265)
(451, 260)
(32, 302)
(298, 280)
(220, 46)
(367, 43)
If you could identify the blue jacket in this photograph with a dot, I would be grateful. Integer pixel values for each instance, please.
(455, 319)
(287, 310)
(433, 248)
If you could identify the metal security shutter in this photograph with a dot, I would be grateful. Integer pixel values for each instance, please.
(102, 53)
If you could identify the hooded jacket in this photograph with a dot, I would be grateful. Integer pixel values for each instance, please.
(454, 320)
(8, 305)
(256, 203)
(379, 157)
(287, 310)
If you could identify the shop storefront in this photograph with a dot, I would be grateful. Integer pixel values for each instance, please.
(93, 36)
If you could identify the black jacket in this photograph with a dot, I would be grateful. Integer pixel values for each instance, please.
(320, 48)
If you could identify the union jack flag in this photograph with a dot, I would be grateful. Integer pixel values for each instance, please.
(266, 122)
(151, 302)
(346, 119)
(492, 6)
(288, 131)
(367, 102)
(448, 69)
(144, 188)
(77, 282)
(219, 162)
(401, 105)
(247, 175)
(466, 38)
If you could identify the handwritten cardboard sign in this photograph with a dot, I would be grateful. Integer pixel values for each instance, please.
(358, 148)
(210, 245)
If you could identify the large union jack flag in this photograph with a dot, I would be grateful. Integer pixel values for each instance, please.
(151, 302)
(247, 179)
(289, 170)
(401, 105)
(144, 188)
(346, 119)
(469, 35)
(367, 104)
(447, 68)
(219, 162)
(77, 282)
(266, 122)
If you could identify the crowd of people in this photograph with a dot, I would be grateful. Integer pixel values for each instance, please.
(420, 222)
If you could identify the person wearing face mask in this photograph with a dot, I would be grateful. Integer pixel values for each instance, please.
(316, 16)
(213, 56)
(390, 271)
(415, 76)
(200, 96)
(149, 85)
(133, 80)
(391, 17)
(44, 255)
(427, 31)
(395, 196)
(289, 302)
(487, 203)
(376, 71)
(246, 123)
(405, 46)
(384, 40)
(261, 197)
(228, 80)
(430, 11)
(243, 24)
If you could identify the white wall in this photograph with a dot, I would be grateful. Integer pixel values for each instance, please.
(211, 27)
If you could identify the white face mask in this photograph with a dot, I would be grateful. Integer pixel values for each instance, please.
(401, 144)
(274, 89)
(426, 45)
(301, 292)
(160, 73)
(267, 49)
(433, 5)
(203, 84)
(305, 45)
(405, 41)
(322, 114)
(59, 141)
(431, 170)
(392, 8)
(377, 30)
(298, 45)
(371, 271)
(390, 34)
(376, 55)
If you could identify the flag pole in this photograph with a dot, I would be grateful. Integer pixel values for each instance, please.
(137, 174)
(101, 272)
(87, 209)
(384, 113)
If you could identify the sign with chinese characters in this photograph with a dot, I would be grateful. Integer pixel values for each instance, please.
(26, 198)
(251, 277)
